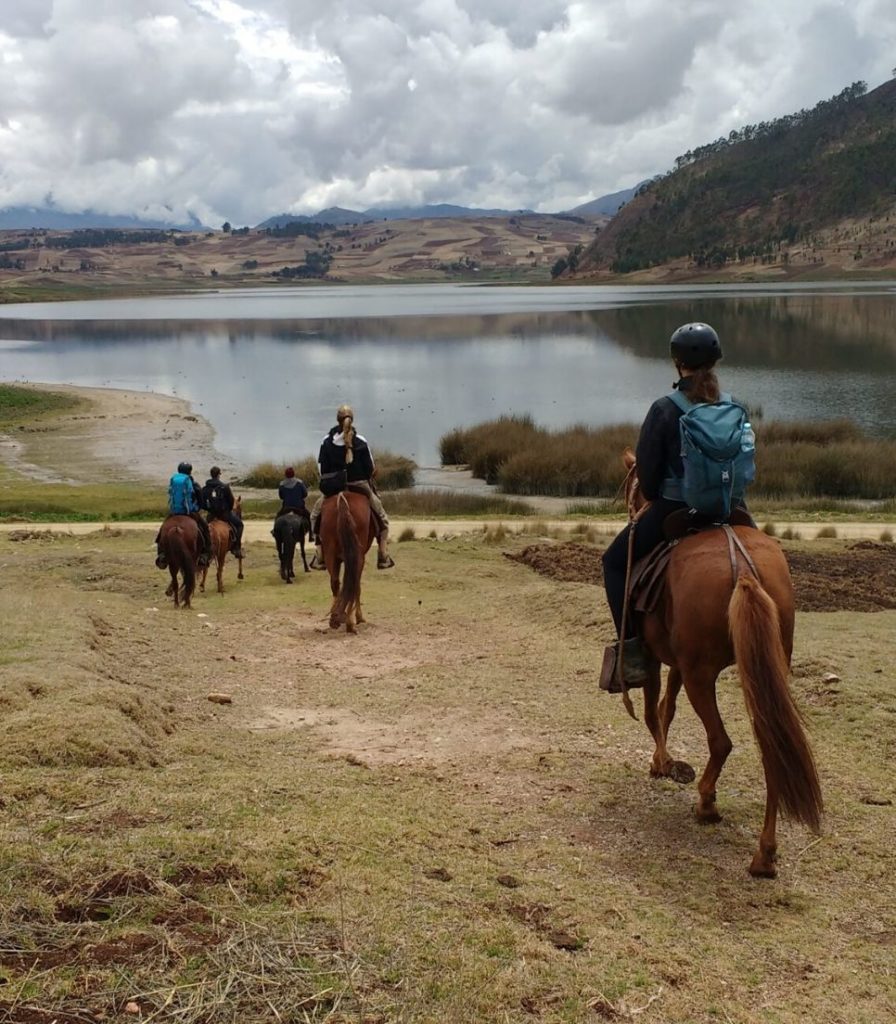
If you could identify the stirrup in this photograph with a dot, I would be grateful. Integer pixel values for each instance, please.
(384, 563)
(161, 562)
(634, 666)
(315, 563)
(203, 560)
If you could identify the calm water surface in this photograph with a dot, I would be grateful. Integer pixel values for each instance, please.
(268, 367)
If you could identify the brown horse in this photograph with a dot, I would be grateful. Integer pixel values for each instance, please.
(346, 533)
(220, 533)
(707, 620)
(181, 544)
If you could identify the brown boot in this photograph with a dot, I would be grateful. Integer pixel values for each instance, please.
(634, 666)
(317, 559)
(383, 560)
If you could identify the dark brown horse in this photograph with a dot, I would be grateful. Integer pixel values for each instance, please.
(707, 620)
(290, 529)
(181, 544)
(346, 533)
(220, 534)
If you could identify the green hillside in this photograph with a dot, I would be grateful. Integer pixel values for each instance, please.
(764, 188)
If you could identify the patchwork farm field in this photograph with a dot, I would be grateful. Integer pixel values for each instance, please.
(439, 819)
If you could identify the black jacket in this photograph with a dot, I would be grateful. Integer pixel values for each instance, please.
(659, 444)
(332, 457)
(223, 489)
(293, 492)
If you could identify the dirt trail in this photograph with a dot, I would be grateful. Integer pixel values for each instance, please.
(260, 530)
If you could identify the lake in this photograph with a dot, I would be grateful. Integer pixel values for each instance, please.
(268, 367)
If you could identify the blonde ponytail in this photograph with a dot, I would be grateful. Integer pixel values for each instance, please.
(348, 435)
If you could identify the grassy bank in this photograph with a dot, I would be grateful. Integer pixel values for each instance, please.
(20, 405)
(393, 472)
(410, 824)
(795, 462)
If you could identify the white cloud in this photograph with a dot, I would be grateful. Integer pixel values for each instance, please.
(239, 109)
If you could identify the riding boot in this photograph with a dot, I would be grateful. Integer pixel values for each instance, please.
(317, 559)
(384, 561)
(635, 664)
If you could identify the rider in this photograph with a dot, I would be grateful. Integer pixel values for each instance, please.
(344, 448)
(218, 499)
(186, 500)
(293, 493)
(695, 350)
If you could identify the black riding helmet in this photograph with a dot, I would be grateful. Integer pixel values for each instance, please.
(184, 467)
(695, 345)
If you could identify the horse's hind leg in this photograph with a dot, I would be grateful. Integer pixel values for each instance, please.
(764, 860)
(202, 581)
(335, 620)
(239, 574)
(172, 586)
(302, 549)
(221, 573)
(701, 690)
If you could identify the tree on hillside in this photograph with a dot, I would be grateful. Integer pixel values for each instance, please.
(226, 227)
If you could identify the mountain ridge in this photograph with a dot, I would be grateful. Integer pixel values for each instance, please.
(808, 190)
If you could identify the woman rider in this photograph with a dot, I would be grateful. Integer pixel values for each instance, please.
(344, 448)
(695, 350)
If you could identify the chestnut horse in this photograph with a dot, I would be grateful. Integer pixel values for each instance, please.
(706, 620)
(181, 544)
(346, 533)
(220, 534)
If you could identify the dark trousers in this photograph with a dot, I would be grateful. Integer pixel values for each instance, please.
(648, 533)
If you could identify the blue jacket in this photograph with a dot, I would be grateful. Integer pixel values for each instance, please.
(181, 495)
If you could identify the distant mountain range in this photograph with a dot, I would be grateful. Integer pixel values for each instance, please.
(608, 205)
(26, 217)
(604, 206)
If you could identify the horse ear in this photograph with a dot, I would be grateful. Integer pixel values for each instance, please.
(628, 458)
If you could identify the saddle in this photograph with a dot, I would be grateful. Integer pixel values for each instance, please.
(648, 577)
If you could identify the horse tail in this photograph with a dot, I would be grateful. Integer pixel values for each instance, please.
(764, 670)
(187, 564)
(351, 556)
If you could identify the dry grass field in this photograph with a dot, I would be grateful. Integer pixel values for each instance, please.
(440, 819)
(510, 249)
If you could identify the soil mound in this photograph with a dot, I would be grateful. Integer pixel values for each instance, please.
(861, 578)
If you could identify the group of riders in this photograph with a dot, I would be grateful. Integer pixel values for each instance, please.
(345, 456)
(346, 463)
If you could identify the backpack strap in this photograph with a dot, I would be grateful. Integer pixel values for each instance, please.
(683, 403)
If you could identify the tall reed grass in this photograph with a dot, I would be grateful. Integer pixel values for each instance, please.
(393, 472)
(794, 460)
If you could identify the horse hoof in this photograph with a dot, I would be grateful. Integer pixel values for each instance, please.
(707, 817)
(761, 868)
(682, 772)
(289, 579)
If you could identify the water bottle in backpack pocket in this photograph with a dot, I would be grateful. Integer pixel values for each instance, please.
(718, 449)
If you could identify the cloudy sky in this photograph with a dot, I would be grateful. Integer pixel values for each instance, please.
(240, 109)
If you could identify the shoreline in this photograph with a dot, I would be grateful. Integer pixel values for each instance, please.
(114, 435)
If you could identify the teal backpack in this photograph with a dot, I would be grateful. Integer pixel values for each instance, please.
(718, 451)
(180, 494)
